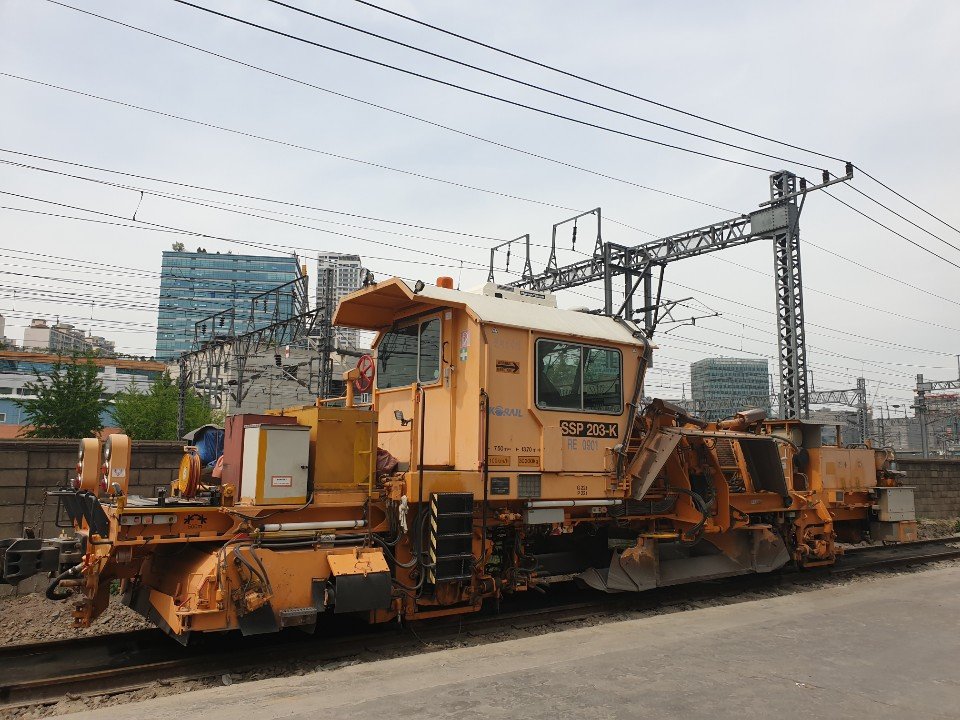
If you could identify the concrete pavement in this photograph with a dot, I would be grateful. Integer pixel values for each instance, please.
(880, 647)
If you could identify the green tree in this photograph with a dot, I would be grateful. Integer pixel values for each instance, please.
(68, 402)
(152, 414)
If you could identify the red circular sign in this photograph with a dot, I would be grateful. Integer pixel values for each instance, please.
(367, 372)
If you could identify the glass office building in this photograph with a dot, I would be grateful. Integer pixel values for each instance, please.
(197, 285)
(722, 387)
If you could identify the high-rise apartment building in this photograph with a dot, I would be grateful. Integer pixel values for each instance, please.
(196, 285)
(344, 273)
(725, 386)
(64, 338)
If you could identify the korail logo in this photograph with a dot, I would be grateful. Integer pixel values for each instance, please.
(501, 411)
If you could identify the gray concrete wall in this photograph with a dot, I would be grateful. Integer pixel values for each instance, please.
(28, 468)
(937, 484)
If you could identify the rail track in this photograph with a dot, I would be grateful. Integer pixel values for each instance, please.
(112, 664)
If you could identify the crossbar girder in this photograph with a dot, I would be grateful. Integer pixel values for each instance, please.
(709, 238)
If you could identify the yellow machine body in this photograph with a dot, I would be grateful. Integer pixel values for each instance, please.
(506, 448)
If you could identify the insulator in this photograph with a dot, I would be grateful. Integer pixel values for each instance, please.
(276, 360)
(508, 258)
(573, 245)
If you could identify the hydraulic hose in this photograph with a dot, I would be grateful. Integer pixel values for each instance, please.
(52, 592)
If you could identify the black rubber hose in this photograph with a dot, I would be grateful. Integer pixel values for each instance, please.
(52, 593)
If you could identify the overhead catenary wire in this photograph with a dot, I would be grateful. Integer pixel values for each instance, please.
(394, 111)
(595, 83)
(230, 207)
(480, 247)
(181, 230)
(233, 193)
(717, 258)
(241, 242)
(532, 86)
(918, 245)
(472, 91)
(641, 98)
(193, 233)
(297, 146)
(890, 229)
(908, 200)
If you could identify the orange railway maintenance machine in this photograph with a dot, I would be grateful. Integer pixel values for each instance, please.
(505, 449)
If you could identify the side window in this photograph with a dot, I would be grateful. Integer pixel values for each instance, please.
(409, 354)
(602, 391)
(397, 358)
(430, 351)
(578, 377)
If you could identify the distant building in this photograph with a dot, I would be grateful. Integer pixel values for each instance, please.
(18, 369)
(196, 285)
(346, 272)
(722, 387)
(63, 338)
(37, 335)
(5, 342)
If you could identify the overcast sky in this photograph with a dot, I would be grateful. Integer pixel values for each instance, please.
(870, 81)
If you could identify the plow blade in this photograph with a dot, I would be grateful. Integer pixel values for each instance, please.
(647, 565)
(633, 570)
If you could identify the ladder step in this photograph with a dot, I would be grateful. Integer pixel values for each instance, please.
(450, 578)
(455, 556)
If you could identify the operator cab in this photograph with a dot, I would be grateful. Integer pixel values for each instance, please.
(556, 384)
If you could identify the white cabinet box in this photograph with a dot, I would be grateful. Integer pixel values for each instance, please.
(276, 461)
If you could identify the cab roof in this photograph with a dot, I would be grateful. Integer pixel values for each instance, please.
(376, 308)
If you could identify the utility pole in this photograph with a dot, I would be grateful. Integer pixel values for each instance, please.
(791, 336)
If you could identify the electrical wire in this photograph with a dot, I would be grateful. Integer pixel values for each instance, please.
(231, 193)
(234, 240)
(472, 91)
(890, 229)
(531, 86)
(906, 199)
(902, 217)
(394, 111)
(596, 83)
(293, 145)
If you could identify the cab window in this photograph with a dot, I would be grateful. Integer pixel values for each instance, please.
(409, 354)
(578, 377)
